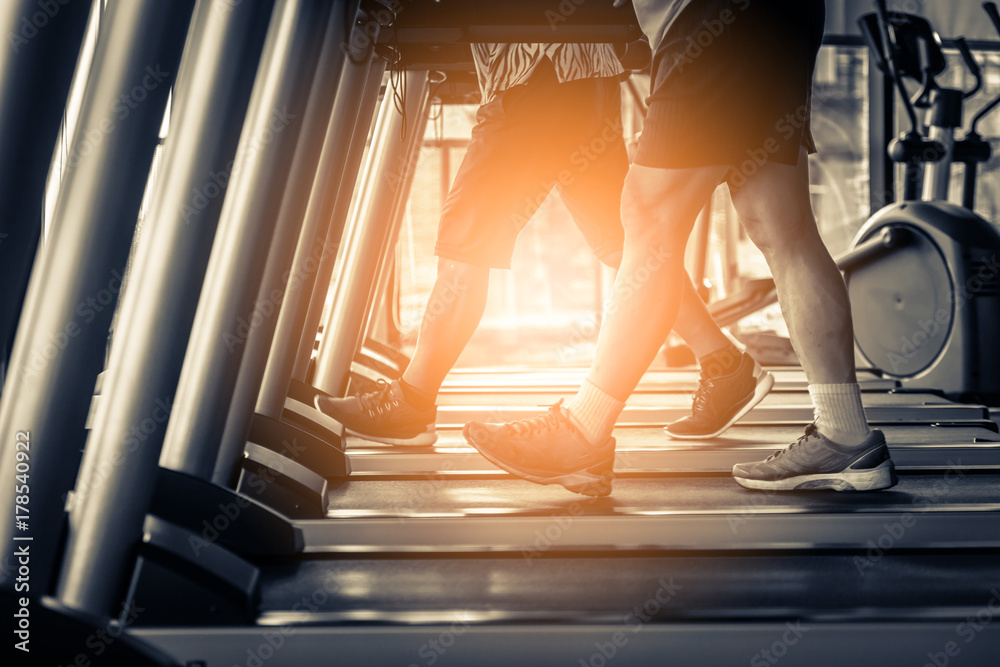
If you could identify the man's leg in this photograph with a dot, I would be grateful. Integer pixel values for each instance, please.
(659, 207)
(775, 210)
(453, 312)
(732, 383)
(404, 412)
(572, 446)
(839, 451)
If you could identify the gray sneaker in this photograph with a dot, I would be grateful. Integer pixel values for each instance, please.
(382, 415)
(814, 462)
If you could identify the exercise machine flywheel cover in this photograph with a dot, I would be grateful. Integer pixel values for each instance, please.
(902, 306)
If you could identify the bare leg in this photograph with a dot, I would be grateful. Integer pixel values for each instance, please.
(453, 312)
(695, 324)
(775, 210)
(659, 208)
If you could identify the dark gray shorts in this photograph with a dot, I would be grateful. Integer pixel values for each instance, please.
(732, 85)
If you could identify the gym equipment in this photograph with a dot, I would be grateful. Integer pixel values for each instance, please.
(60, 345)
(277, 274)
(370, 232)
(450, 564)
(28, 131)
(926, 306)
(103, 530)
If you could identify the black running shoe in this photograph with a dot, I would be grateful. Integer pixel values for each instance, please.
(720, 401)
(547, 450)
(815, 462)
(382, 416)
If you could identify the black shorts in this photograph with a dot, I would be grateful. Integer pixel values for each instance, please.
(731, 84)
(531, 138)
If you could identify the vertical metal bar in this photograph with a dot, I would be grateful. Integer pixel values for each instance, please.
(246, 228)
(71, 114)
(59, 349)
(335, 236)
(406, 170)
(277, 275)
(937, 174)
(209, 369)
(881, 127)
(370, 224)
(157, 311)
(321, 232)
(40, 46)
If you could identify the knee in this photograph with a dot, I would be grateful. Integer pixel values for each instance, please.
(646, 220)
(774, 237)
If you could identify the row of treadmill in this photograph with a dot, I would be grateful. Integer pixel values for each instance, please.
(183, 503)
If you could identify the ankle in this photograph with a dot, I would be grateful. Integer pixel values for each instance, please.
(419, 398)
(721, 362)
(839, 413)
(594, 413)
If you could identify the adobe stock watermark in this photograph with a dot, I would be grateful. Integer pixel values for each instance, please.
(558, 526)
(566, 9)
(127, 102)
(927, 331)
(216, 182)
(894, 531)
(581, 159)
(967, 631)
(263, 309)
(426, 490)
(752, 507)
(625, 286)
(270, 643)
(101, 639)
(785, 128)
(213, 528)
(137, 434)
(779, 647)
(633, 622)
(28, 28)
(710, 30)
(44, 351)
(433, 649)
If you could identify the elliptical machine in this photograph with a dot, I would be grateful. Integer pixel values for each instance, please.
(927, 308)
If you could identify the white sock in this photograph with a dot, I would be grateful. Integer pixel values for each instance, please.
(839, 413)
(594, 412)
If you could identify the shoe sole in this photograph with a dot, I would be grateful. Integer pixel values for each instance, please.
(594, 481)
(765, 382)
(881, 477)
(425, 439)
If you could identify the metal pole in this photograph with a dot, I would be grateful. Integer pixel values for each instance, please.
(59, 349)
(341, 212)
(406, 171)
(226, 309)
(315, 249)
(121, 458)
(370, 223)
(277, 274)
(41, 46)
